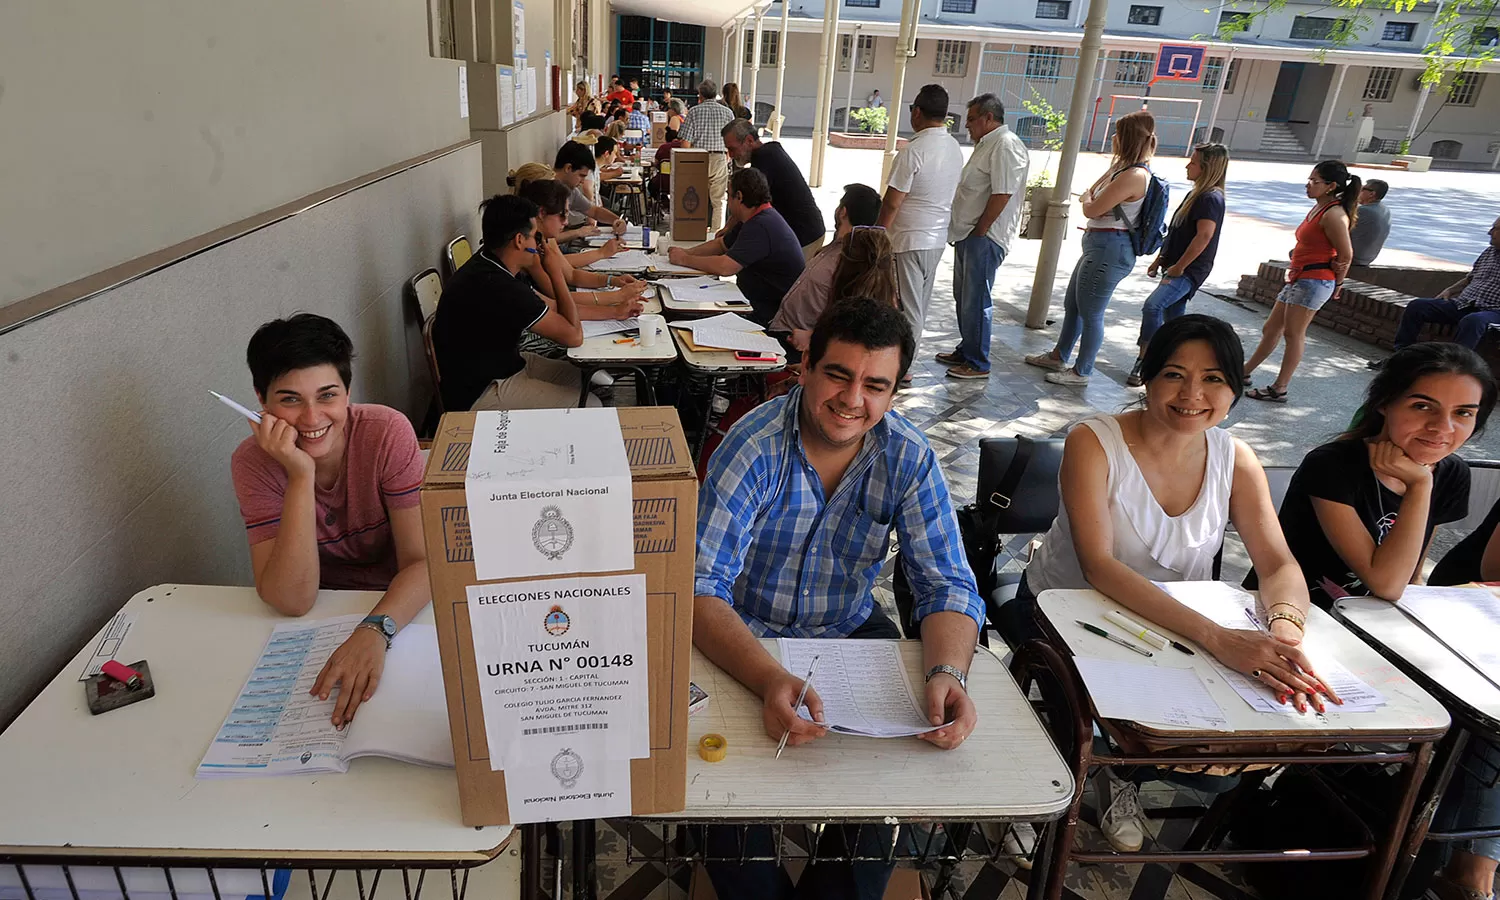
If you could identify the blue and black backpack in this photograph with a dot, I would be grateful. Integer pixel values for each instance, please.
(1148, 231)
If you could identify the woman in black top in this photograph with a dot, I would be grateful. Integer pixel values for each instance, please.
(1360, 511)
(1476, 558)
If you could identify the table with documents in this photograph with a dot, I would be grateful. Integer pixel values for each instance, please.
(91, 801)
(613, 345)
(1192, 713)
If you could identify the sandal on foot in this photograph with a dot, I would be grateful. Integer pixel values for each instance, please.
(1267, 393)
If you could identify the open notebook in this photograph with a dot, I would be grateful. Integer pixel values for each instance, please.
(276, 727)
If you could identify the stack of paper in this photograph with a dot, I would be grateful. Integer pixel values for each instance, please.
(1141, 692)
(633, 235)
(731, 332)
(1466, 619)
(1223, 604)
(626, 261)
(594, 328)
(862, 684)
(1358, 696)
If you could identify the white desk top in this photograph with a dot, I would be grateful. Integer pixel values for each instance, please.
(1007, 769)
(1408, 708)
(721, 362)
(1380, 622)
(603, 349)
(121, 783)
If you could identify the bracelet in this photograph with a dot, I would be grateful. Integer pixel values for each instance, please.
(1290, 617)
(945, 669)
(609, 280)
(1285, 603)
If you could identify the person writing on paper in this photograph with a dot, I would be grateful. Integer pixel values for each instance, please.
(1360, 511)
(613, 297)
(486, 309)
(759, 247)
(525, 174)
(328, 491)
(1146, 496)
(572, 165)
(794, 523)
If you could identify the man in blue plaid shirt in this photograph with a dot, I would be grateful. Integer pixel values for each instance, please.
(639, 121)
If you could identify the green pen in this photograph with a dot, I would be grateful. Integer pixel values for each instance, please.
(1095, 629)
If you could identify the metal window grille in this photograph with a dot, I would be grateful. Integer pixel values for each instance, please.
(1053, 9)
(1044, 63)
(1314, 28)
(1134, 67)
(1145, 15)
(951, 58)
(770, 49)
(1399, 31)
(959, 6)
(1234, 18)
(1381, 83)
(864, 61)
(1213, 71)
(865, 4)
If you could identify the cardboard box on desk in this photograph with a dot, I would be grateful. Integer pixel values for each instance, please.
(658, 128)
(690, 200)
(665, 501)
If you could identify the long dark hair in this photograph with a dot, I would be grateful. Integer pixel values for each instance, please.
(1345, 186)
(1403, 369)
(1217, 333)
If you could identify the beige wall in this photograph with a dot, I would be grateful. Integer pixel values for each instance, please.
(131, 126)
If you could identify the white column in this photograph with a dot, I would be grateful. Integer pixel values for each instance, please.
(978, 70)
(1213, 113)
(777, 116)
(853, 64)
(755, 60)
(1416, 116)
(827, 58)
(739, 56)
(1328, 108)
(728, 35)
(905, 47)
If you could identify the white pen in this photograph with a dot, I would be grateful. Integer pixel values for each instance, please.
(801, 695)
(252, 416)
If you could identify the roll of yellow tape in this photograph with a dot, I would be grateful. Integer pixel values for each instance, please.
(713, 747)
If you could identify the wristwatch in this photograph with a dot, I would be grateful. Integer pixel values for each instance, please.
(385, 626)
(945, 669)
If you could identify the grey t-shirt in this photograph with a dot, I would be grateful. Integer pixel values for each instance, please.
(1371, 228)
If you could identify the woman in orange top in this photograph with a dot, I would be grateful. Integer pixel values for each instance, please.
(1316, 274)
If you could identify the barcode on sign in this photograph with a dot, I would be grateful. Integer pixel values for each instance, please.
(564, 729)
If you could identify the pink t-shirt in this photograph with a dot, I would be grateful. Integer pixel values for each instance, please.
(382, 471)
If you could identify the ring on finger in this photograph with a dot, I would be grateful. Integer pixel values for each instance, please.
(1256, 673)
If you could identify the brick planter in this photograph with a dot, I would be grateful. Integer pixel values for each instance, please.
(1363, 311)
(862, 141)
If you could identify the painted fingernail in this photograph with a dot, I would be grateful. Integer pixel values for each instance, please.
(1281, 698)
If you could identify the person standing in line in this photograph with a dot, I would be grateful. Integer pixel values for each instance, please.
(1188, 254)
(789, 191)
(983, 224)
(702, 129)
(1319, 263)
(918, 202)
(1114, 204)
(1369, 233)
(732, 101)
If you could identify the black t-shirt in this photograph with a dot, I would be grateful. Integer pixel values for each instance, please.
(1208, 206)
(1461, 565)
(477, 330)
(771, 258)
(790, 194)
(1341, 472)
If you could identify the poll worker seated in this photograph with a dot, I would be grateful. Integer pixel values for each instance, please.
(759, 247)
(1360, 511)
(1130, 517)
(607, 163)
(794, 521)
(485, 310)
(810, 294)
(612, 297)
(866, 267)
(329, 493)
(526, 173)
(1472, 303)
(571, 167)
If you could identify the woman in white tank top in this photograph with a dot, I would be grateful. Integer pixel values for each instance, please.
(1146, 496)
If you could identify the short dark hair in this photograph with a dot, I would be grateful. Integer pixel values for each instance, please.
(603, 145)
(751, 185)
(868, 323)
(622, 114)
(574, 155)
(861, 204)
(932, 102)
(590, 121)
(504, 216)
(548, 194)
(637, 106)
(1377, 187)
(1414, 361)
(1217, 333)
(300, 342)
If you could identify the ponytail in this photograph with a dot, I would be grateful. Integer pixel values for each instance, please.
(1346, 186)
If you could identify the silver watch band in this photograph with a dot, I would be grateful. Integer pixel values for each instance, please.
(376, 628)
(945, 669)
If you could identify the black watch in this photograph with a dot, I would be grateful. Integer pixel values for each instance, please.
(384, 625)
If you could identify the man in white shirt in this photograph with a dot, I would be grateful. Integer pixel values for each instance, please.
(986, 216)
(918, 201)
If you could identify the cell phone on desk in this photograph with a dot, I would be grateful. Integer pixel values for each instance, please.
(752, 356)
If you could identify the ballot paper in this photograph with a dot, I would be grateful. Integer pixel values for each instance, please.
(862, 684)
(111, 642)
(628, 261)
(549, 493)
(595, 328)
(725, 337)
(1138, 692)
(1466, 619)
(707, 291)
(1357, 695)
(1223, 604)
(631, 235)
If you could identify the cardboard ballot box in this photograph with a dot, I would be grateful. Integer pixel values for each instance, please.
(690, 198)
(658, 128)
(664, 495)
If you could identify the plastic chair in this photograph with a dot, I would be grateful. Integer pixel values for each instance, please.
(458, 253)
(427, 287)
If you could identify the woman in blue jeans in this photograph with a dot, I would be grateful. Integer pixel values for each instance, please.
(1191, 245)
(1112, 204)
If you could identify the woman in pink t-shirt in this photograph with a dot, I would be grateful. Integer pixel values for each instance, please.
(329, 494)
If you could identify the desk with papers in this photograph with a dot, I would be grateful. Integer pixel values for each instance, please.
(715, 368)
(1219, 725)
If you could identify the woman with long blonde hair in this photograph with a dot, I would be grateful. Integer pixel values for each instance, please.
(1187, 255)
(731, 99)
(1113, 204)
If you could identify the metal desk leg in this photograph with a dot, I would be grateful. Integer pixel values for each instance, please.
(1445, 761)
(708, 411)
(583, 389)
(1385, 856)
(583, 859)
(531, 862)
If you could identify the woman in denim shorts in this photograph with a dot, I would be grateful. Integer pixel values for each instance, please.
(1319, 263)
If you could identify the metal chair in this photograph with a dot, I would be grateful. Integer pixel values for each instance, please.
(432, 365)
(427, 288)
(458, 253)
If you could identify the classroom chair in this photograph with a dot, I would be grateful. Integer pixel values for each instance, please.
(1484, 490)
(457, 254)
(432, 366)
(427, 288)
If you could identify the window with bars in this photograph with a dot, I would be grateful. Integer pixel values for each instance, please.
(581, 31)
(1213, 70)
(1134, 67)
(951, 59)
(1043, 63)
(1380, 84)
(770, 48)
(1316, 28)
(959, 6)
(864, 61)
(1399, 31)
(1464, 90)
(1145, 15)
(440, 23)
(863, 4)
(1235, 21)
(1053, 9)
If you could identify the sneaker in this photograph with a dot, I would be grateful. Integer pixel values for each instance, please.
(1020, 844)
(1067, 377)
(1046, 361)
(950, 359)
(1134, 379)
(1443, 889)
(1124, 822)
(967, 371)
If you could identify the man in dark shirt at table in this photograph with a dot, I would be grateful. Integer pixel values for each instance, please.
(759, 248)
(790, 194)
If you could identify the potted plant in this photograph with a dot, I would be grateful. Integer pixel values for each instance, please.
(872, 120)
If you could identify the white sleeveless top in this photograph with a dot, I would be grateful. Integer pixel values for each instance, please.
(1131, 209)
(1154, 544)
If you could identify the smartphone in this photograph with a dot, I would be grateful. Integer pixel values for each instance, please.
(697, 698)
(747, 356)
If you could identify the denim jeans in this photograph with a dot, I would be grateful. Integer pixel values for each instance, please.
(975, 261)
(1471, 323)
(1166, 303)
(1107, 259)
(1470, 803)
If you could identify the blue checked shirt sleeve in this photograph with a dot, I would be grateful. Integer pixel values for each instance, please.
(931, 546)
(728, 504)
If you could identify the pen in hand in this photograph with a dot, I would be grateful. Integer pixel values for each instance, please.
(801, 695)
